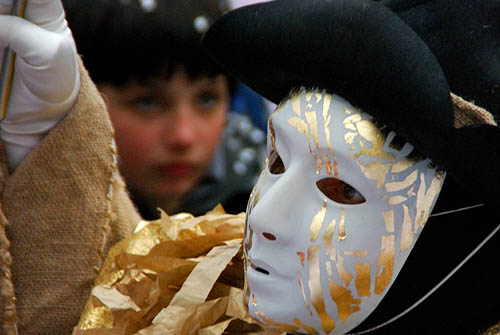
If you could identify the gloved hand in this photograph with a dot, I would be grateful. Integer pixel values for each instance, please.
(46, 77)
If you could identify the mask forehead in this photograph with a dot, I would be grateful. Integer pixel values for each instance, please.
(303, 122)
(331, 263)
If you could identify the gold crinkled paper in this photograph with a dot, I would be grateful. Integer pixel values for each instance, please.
(178, 275)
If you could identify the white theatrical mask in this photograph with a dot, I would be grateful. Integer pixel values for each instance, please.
(333, 217)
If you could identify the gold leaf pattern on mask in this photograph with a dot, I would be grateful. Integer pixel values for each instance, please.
(374, 152)
(317, 223)
(321, 158)
(406, 230)
(396, 200)
(272, 134)
(318, 96)
(309, 95)
(385, 264)
(350, 121)
(335, 169)
(363, 279)
(389, 220)
(300, 125)
(352, 127)
(333, 254)
(327, 101)
(356, 253)
(327, 162)
(301, 257)
(295, 101)
(301, 284)
(308, 329)
(375, 170)
(326, 124)
(329, 270)
(426, 198)
(303, 128)
(319, 162)
(370, 132)
(343, 298)
(328, 236)
(344, 275)
(349, 138)
(309, 127)
(269, 321)
(312, 121)
(342, 234)
(316, 292)
(402, 165)
(400, 185)
(331, 169)
(411, 192)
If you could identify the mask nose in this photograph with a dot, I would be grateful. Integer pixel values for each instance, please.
(273, 217)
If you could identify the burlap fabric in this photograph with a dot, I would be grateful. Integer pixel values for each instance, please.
(66, 205)
(467, 114)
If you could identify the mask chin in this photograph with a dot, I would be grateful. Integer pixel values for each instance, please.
(334, 215)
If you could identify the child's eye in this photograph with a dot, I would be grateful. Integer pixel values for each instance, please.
(147, 104)
(208, 100)
(276, 165)
(339, 191)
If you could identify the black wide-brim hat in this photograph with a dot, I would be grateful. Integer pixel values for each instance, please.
(364, 52)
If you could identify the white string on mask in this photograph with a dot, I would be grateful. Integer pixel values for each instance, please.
(457, 210)
(443, 280)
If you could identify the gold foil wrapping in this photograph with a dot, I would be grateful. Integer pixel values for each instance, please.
(177, 275)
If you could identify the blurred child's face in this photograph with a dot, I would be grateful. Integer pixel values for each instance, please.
(167, 132)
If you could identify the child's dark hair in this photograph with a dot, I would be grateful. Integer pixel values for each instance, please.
(132, 40)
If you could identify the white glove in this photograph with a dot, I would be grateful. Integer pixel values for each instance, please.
(46, 77)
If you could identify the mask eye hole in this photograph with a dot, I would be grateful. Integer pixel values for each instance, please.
(339, 191)
(276, 165)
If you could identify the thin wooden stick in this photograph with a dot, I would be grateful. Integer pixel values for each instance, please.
(8, 63)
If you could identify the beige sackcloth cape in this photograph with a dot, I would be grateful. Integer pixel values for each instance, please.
(65, 205)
